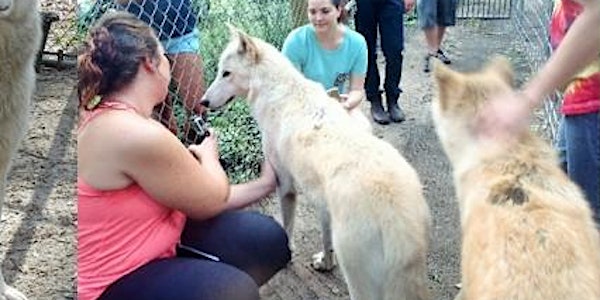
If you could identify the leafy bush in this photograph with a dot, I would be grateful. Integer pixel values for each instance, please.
(239, 137)
(239, 141)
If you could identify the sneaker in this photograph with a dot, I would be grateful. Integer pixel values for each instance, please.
(442, 56)
(427, 63)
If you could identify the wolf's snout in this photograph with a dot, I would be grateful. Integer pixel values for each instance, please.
(204, 102)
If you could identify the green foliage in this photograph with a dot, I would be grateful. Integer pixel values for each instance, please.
(239, 141)
(239, 137)
(268, 20)
(410, 18)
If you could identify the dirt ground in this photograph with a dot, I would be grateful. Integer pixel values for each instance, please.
(39, 218)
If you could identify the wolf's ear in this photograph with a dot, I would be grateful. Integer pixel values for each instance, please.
(501, 66)
(247, 46)
(448, 82)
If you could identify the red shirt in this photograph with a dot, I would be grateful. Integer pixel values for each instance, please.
(582, 94)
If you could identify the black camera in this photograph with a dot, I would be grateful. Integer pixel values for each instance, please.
(198, 130)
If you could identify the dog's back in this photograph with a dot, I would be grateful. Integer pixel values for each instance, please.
(528, 232)
(379, 217)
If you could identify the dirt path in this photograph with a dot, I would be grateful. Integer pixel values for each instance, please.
(38, 221)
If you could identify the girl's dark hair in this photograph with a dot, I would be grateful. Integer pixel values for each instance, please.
(341, 5)
(111, 56)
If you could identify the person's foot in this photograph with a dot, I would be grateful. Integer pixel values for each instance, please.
(442, 56)
(379, 114)
(396, 113)
(427, 63)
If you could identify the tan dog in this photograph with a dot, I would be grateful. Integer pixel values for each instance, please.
(20, 37)
(371, 197)
(527, 231)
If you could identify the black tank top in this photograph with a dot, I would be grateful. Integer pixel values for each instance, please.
(169, 18)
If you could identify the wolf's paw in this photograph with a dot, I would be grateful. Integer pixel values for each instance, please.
(322, 262)
(11, 293)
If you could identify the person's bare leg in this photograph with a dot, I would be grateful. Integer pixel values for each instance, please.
(165, 115)
(187, 72)
(432, 40)
(441, 31)
(441, 55)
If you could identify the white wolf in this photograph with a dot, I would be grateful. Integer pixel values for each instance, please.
(527, 231)
(374, 213)
(20, 37)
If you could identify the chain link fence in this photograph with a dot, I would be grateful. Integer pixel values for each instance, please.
(194, 33)
(60, 33)
(271, 20)
(484, 9)
(531, 18)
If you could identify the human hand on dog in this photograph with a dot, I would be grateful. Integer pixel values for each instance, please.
(268, 175)
(208, 149)
(504, 116)
(349, 102)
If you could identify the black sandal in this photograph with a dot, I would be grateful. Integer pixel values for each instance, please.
(427, 62)
(442, 56)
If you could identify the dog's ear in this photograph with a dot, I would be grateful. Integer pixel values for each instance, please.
(501, 66)
(246, 46)
(449, 83)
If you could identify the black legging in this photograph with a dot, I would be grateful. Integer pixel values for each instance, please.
(251, 248)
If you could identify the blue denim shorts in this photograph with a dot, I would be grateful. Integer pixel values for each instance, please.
(436, 13)
(187, 43)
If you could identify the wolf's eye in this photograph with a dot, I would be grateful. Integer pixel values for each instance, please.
(226, 73)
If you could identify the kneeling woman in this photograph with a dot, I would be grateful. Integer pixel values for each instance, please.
(155, 221)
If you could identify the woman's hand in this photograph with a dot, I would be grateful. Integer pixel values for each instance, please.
(268, 176)
(504, 116)
(208, 149)
(245, 194)
(349, 101)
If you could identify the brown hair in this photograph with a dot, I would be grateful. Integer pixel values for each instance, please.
(111, 56)
(341, 5)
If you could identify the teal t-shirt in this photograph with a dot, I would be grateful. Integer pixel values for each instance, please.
(331, 68)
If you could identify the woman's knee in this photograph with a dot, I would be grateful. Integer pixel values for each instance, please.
(273, 238)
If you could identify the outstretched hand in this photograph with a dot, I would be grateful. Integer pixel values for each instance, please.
(504, 116)
(267, 175)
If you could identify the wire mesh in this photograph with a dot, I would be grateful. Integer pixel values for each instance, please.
(271, 20)
(60, 33)
(532, 18)
(484, 9)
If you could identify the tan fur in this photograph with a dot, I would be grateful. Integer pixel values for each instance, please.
(527, 231)
(371, 197)
(20, 36)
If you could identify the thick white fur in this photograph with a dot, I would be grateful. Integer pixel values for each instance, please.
(527, 230)
(373, 210)
(20, 36)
